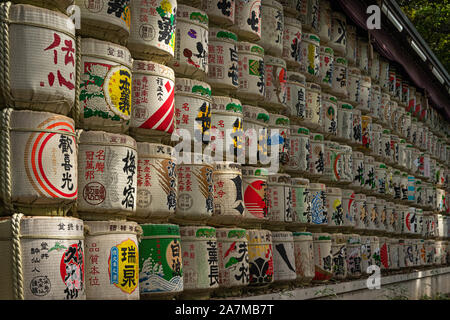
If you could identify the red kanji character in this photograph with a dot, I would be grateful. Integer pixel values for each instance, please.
(70, 52)
(56, 43)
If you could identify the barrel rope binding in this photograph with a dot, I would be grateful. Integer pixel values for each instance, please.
(4, 53)
(5, 158)
(76, 112)
(17, 268)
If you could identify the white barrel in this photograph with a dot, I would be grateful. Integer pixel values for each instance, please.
(38, 71)
(349, 207)
(362, 215)
(317, 155)
(299, 150)
(411, 188)
(338, 256)
(419, 193)
(107, 175)
(296, 95)
(374, 67)
(384, 253)
(405, 93)
(354, 86)
(232, 250)
(369, 174)
(255, 192)
(260, 256)
(38, 171)
(397, 180)
(366, 133)
(279, 198)
(304, 256)
(326, 67)
(106, 86)
(338, 32)
(276, 88)
(334, 162)
(318, 196)
(308, 13)
(248, 20)
(195, 187)
(404, 186)
(365, 94)
(283, 257)
(382, 215)
(373, 214)
(156, 181)
(325, 21)
(375, 102)
(329, 115)
(252, 82)
(43, 258)
(340, 77)
(223, 73)
(358, 170)
(292, 37)
(153, 101)
(112, 260)
(391, 218)
(362, 55)
(398, 88)
(351, 48)
(354, 256)
(384, 75)
(301, 204)
(200, 259)
(279, 135)
(380, 178)
(322, 257)
(193, 110)
(386, 152)
(191, 43)
(310, 57)
(152, 30)
(57, 5)
(219, 12)
(272, 27)
(394, 254)
(347, 171)
(107, 21)
(335, 211)
(367, 253)
(357, 127)
(313, 107)
(392, 81)
(389, 182)
(256, 130)
(227, 133)
(345, 122)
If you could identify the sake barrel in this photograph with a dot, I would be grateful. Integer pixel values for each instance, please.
(256, 133)
(219, 12)
(386, 152)
(228, 198)
(338, 32)
(345, 121)
(61, 6)
(107, 21)
(366, 132)
(389, 182)
(398, 88)
(310, 57)
(283, 257)
(365, 93)
(362, 215)
(326, 67)
(292, 37)
(232, 251)
(153, 88)
(322, 257)
(392, 80)
(413, 137)
(391, 218)
(38, 171)
(195, 187)
(347, 171)
(411, 188)
(382, 215)
(394, 254)
(279, 198)
(402, 154)
(191, 43)
(338, 256)
(349, 207)
(340, 77)
(369, 174)
(384, 75)
(396, 112)
(333, 162)
(251, 69)
(308, 12)
(107, 175)
(357, 127)
(313, 106)
(405, 93)
(156, 181)
(330, 115)
(335, 211)
(384, 253)
(372, 212)
(304, 256)
(325, 21)
(276, 88)
(247, 23)
(430, 252)
(40, 36)
(351, 47)
(43, 258)
(255, 192)
(279, 135)
(223, 73)
(301, 205)
(358, 170)
(397, 180)
(354, 86)
(200, 261)
(106, 86)
(290, 7)
(408, 220)
(419, 193)
(353, 258)
(401, 253)
(362, 55)
(380, 178)
(112, 260)
(299, 150)
(227, 134)
(404, 186)
(152, 30)
(419, 221)
(367, 253)
(272, 28)
(160, 261)
(318, 196)
(193, 110)
(296, 95)
(375, 101)
(411, 105)
(374, 67)
(260, 257)
(409, 254)
(317, 155)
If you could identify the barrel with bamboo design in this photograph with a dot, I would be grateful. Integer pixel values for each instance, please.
(153, 114)
(152, 30)
(106, 86)
(304, 257)
(43, 258)
(260, 257)
(107, 175)
(38, 162)
(39, 53)
(112, 260)
(106, 21)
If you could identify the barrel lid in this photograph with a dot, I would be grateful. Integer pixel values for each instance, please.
(348, 193)
(319, 186)
(250, 48)
(153, 68)
(93, 228)
(100, 48)
(150, 229)
(197, 232)
(360, 196)
(146, 149)
(313, 86)
(193, 15)
(329, 97)
(226, 104)
(334, 191)
(217, 34)
(298, 234)
(58, 227)
(191, 86)
(354, 71)
(31, 119)
(256, 114)
(337, 238)
(106, 138)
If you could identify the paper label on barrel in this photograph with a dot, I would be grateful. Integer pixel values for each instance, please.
(276, 90)
(304, 259)
(194, 115)
(335, 211)
(284, 261)
(233, 263)
(116, 9)
(260, 263)
(255, 198)
(318, 209)
(223, 60)
(228, 195)
(124, 266)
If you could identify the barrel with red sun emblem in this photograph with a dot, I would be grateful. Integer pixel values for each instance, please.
(255, 193)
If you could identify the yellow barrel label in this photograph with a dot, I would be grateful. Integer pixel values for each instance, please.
(117, 90)
(124, 266)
